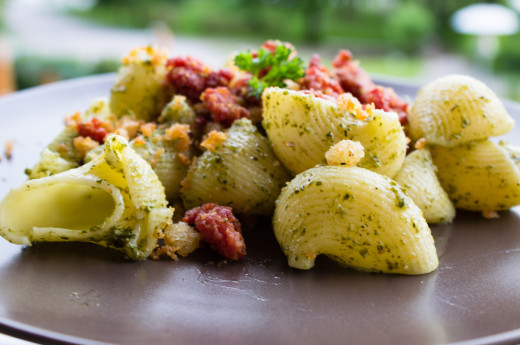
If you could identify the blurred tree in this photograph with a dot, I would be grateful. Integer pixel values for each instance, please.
(259, 16)
(2, 20)
(409, 25)
(372, 24)
(508, 57)
(313, 20)
(33, 70)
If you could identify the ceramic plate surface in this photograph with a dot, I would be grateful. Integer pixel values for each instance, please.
(81, 293)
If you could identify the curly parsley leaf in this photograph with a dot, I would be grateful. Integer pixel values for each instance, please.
(270, 69)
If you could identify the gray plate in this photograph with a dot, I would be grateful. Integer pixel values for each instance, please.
(80, 293)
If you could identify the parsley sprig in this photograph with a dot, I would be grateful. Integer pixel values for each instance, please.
(278, 66)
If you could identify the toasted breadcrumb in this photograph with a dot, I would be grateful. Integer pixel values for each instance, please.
(73, 120)
(147, 129)
(130, 125)
(213, 139)
(179, 238)
(178, 103)
(142, 54)
(156, 157)
(9, 149)
(181, 133)
(185, 184)
(106, 124)
(184, 159)
(292, 85)
(163, 251)
(63, 149)
(348, 102)
(83, 145)
(369, 109)
(122, 132)
(490, 214)
(345, 152)
(420, 144)
(139, 141)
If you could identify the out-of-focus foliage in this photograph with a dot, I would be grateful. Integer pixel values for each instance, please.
(384, 24)
(508, 57)
(406, 29)
(31, 70)
(2, 23)
(409, 25)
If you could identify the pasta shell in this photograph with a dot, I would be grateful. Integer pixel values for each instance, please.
(115, 200)
(418, 178)
(165, 159)
(478, 176)
(357, 217)
(457, 109)
(302, 127)
(139, 89)
(241, 172)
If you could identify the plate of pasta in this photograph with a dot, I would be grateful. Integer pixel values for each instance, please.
(265, 201)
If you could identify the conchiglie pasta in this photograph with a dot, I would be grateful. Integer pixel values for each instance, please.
(99, 108)
(478, 176)
(178, 111)
(357, 217)
(50, 163)
(418, 177)
(115, 200)
(138, 89)
(513, 151)
(168, 159)
(457, 109)
(240, 171)
(63, 144)
(302, 127)
(61, 155)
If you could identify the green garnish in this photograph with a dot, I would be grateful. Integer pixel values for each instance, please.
(278, 66)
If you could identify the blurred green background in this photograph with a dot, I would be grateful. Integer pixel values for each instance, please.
(412, 40)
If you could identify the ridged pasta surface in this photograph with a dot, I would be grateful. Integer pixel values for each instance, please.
(418, 177)
(479, 176)
(115, 200)
(165, 160)
(457, 109)
(60, 154)
(138, 89)
(302, 127)
(356, 216)
(241, 172)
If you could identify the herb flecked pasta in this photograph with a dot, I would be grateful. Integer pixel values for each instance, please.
(169, 159)
(418, 177)
(239, 170)
(116, 201)
(301, 127)
(213, 142)
(457, 109)
(478, 176)
(331, 210)
(138, 89)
